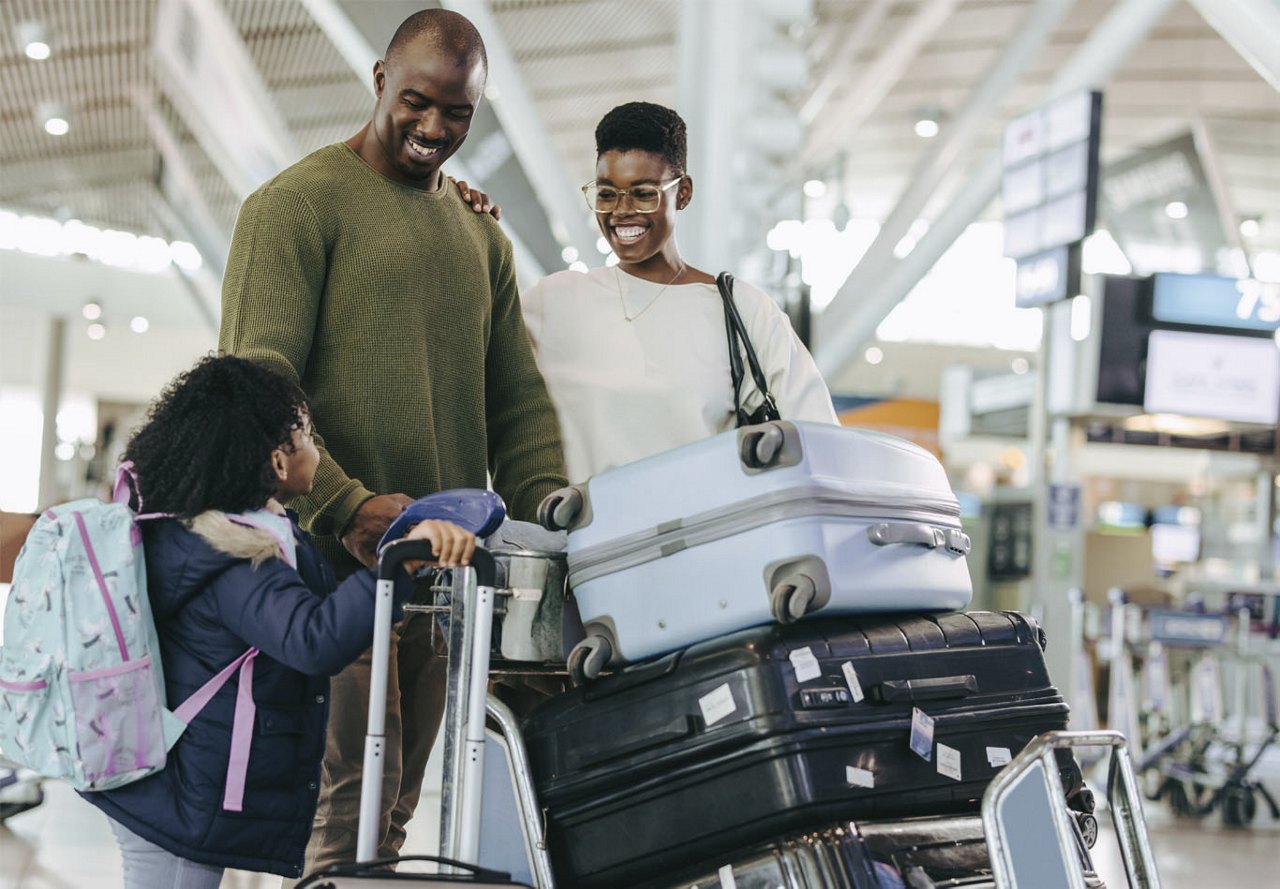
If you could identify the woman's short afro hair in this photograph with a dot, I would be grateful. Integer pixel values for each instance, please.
(208, 438)
(644, 126)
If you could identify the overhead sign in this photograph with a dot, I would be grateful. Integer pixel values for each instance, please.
(1050, 182)
(1048, 277)
(1215, 301)
(1064, 507)
(1133, 203)
(1182, 629)
(1212, 375)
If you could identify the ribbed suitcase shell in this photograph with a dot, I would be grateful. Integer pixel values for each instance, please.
(719, 746)
(831, 858)
(687, 545)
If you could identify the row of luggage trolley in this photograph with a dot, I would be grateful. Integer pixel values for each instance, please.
(883, 750)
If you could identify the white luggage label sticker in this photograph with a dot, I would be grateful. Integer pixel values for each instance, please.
(998, 756)
(857, 777)
(851, 679)
(806, 665)
(922, 734)
(717, 704)
(726, 877)
(949, 762)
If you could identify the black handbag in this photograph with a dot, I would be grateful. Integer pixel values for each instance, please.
(736, 332)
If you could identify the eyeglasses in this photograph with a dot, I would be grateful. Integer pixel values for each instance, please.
(644, 198)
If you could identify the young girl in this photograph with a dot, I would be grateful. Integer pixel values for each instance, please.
(227, 440)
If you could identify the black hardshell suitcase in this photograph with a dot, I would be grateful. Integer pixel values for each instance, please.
(831, 858)
(721, 746)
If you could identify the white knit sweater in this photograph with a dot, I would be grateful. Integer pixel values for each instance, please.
(624, 390)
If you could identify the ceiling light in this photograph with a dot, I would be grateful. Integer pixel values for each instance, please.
(92, 311)
(602, 245)
(927, 128)
(1249, 227)
(874, 355)
(815, 188)
(96, 330)
(578, 266)
(54, 118)
(1020, 365)
(33, 37)
(569, 254)
(139, 324)
(1176, 210)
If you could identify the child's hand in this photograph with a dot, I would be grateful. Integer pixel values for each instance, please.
(452, 545)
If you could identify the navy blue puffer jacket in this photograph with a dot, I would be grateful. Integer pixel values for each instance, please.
(210, 604)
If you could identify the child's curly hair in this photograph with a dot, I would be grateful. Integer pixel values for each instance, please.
(207, 440)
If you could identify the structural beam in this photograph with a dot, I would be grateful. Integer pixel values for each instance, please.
(978, 108)
(1106, 48)
(354, 45)
(1252, 27)
(529, 137)
(885, 71)
(835, 70)
(209, 74)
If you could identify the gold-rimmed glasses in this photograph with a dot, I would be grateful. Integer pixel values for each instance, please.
(644, 198)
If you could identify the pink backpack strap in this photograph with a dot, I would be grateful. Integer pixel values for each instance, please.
(241, 726)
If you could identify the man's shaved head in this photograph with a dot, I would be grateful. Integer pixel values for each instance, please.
(448, 31)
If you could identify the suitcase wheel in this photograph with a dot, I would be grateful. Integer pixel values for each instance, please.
(791, 598)
(588, 658)
(560, 509)
(761, 447)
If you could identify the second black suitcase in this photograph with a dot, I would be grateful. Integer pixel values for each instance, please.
(769, 731)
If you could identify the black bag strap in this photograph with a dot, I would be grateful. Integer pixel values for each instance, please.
(736, 331)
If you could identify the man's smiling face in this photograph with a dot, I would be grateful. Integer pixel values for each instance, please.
(427, 96)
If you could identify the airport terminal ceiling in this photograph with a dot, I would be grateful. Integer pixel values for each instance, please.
(134, 156)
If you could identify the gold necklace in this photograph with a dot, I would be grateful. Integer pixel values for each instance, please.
(623, 301)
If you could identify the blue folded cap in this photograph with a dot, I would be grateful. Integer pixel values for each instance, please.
(475, 510)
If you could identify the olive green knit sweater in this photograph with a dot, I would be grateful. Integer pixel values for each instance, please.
(396, 310)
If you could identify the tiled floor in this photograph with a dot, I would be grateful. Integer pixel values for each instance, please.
(65, 843)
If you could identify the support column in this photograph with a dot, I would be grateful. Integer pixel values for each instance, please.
(1252, 27)
(55, 368)
(711, 37)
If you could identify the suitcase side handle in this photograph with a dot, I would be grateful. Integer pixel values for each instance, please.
(941, 688)
(368, 868)
(677, 729)
(887, 533)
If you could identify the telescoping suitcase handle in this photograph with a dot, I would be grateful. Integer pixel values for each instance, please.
(390, 559)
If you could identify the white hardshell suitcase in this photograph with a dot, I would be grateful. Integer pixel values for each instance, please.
(769, 522)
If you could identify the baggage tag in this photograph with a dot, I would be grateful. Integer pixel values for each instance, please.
(851, 679)
(922, 734)
(726, 877)
(949, 762)
(856, 777)
(805, 664)
(717, 704)
(998, 757)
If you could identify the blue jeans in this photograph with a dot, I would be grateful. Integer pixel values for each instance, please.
(147, 866)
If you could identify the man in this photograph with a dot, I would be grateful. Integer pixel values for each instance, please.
(362, 273)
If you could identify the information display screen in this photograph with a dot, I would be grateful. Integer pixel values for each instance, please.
(1212, 375)
(1214, 301)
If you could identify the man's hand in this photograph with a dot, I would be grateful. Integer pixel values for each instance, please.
(478, 200)
(369, 523)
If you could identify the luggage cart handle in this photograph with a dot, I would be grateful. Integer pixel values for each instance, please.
(393, 554)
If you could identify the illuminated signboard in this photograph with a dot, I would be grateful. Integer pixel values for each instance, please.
(1213, 375)
(1214, 301)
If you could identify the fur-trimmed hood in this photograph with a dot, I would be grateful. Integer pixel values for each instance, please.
(236, 540)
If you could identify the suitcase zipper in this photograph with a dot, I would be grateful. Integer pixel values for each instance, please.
(640, 547)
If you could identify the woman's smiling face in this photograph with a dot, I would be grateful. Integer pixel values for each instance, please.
(636, 237)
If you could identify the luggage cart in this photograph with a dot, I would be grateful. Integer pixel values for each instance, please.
(473, 600)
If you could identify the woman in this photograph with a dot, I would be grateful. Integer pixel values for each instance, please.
(635, 356)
